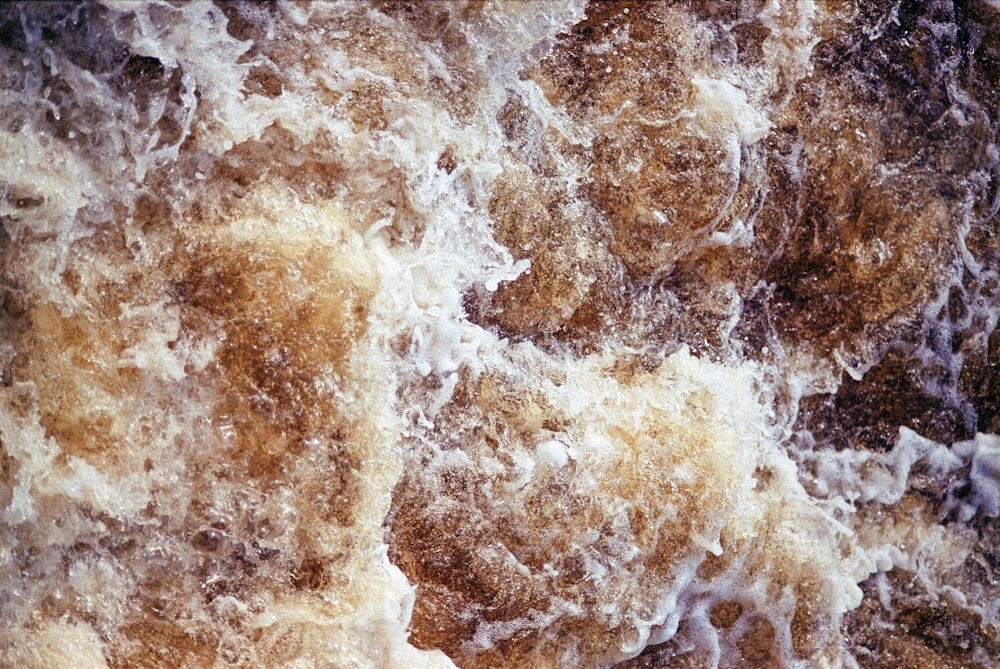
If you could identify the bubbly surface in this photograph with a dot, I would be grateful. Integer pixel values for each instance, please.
(500, 334)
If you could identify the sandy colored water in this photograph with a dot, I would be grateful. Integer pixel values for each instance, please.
(499, 334)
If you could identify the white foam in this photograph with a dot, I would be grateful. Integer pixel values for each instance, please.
(984, 474)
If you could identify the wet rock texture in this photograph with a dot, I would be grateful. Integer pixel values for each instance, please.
(500, 334)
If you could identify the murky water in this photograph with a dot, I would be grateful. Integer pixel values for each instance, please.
(500, 334)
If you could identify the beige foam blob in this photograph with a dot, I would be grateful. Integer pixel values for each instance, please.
(562, 512)
(234, 396)
(58, 645)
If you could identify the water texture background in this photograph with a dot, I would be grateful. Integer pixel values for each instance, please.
(500, 334)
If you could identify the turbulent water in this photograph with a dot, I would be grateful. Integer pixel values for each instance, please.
(500, 334)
